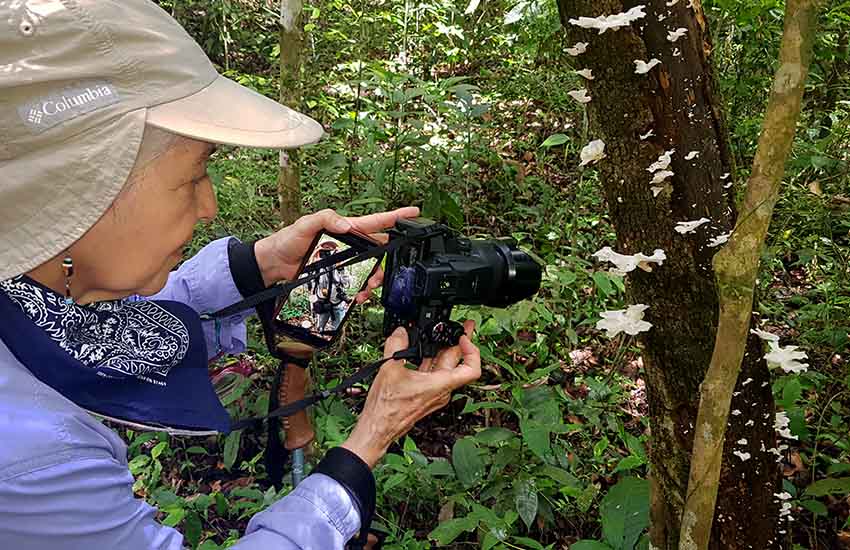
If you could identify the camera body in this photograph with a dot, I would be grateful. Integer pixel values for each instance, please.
(435, 269)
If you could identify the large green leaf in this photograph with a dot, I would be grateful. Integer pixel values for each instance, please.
(467, 463)
(231, 448)
(625, 512)
(589, 545)
(451, 529)
(525, 498)
(830, 486)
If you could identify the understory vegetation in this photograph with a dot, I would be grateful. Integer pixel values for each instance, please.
(462, 109)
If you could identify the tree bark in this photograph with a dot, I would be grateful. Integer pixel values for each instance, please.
(737, 267)
(678, 102)
(291, 46)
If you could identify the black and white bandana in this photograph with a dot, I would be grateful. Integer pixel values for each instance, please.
(117, 339)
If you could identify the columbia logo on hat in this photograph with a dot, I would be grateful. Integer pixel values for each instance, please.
(66, 104)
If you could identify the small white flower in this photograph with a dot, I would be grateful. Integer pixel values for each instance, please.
(692, 155)
(580, 95)
(578, 49)
(625, 263)
(784, 495)
(743, 456)
(656, 191)
(786, 358)
(725, 176)
(586, 73)
(647, 135)
(643, 67)
(678, 53)
(593, 152)
(661, 175)
(552, 236)
(781, 425)
(606, 22)
(690, 227)
(663, 161)
(736, 412)
(672, 3)
(751, 423)
(672, 36)
(747, 381)
(628, 320)
(741, 441)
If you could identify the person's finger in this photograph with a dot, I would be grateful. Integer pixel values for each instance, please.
(380, 238)
(470, 370)
(324, 219)
(426, 365)
(397, 341)
(376, 279)
(374, 223)
(447, 358)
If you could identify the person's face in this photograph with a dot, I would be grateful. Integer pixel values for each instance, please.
(134, 246)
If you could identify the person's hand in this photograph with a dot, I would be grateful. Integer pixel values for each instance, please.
(279, 255)
(400, 396)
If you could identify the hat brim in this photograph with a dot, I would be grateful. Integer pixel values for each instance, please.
(231, 114)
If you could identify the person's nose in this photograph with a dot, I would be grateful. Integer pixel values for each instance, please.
(207, 204)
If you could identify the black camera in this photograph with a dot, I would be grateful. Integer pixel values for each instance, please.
(435, 268)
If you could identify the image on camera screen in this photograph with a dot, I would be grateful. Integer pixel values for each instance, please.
(317, 309)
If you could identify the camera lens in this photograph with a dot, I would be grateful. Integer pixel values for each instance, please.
(516, 276)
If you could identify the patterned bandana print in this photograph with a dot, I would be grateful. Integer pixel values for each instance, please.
(118, 339)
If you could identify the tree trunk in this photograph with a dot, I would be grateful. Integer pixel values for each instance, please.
(291, 45)
(678, 102)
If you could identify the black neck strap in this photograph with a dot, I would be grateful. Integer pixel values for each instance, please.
(310, 273)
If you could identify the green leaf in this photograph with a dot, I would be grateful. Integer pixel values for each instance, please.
(600, 447)
(816, 507)
(174, 517)
(536, 437)
(525, 499)
(530, 543)
(231, 448)
(589, 545)
(467, 463)
(554, 140)
(157, 450)
(494, 436)
(829, 486)
(451, 529)
(791, 393)
(603, 284)
(440, 467)
(625, 512)
(560, 475)
(630, 462)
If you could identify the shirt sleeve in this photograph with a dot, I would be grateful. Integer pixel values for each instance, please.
(89, 503)
(206, 283)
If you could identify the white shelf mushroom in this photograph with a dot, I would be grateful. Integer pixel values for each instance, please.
(579, 95)
(628, 320)
(643, 67)
(578, 49)
(611, 22)
(592, 152)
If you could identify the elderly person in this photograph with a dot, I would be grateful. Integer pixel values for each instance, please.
(108, 115)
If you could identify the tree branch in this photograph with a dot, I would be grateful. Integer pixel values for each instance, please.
(736, 268)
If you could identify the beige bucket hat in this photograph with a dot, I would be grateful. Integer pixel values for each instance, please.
(79, 80)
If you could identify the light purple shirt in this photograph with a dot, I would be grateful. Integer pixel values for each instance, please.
(64, 479)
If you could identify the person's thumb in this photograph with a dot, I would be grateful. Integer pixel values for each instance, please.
(397, 341)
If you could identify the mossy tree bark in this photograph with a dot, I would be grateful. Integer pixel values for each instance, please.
(291, 46)
(737, 266)
(678, 102)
